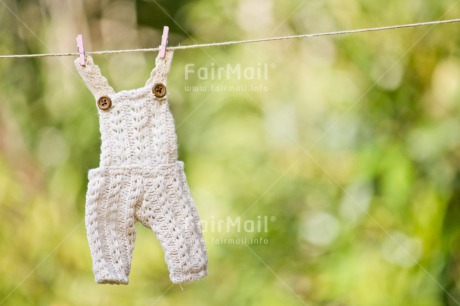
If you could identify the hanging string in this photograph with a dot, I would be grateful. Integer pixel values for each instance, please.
(239, 42)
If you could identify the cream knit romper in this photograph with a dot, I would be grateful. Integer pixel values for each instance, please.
(139, 179)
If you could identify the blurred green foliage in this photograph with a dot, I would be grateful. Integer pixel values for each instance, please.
(352, 151)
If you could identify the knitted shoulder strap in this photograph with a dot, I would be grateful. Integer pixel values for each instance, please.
(94, 80)
(160, 72)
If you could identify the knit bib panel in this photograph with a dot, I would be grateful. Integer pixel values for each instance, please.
(138, 129)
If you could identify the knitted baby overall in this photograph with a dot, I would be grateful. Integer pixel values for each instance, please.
(139, 179)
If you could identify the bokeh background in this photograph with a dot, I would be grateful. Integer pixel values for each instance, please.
(352, 150)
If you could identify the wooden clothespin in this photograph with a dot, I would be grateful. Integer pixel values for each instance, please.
(164, 42)
(81, 50)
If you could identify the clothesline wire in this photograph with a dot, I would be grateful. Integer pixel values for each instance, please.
(238, 42)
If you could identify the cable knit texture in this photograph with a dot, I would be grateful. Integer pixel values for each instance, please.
(139, 179)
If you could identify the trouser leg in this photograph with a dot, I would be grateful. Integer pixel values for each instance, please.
(110, 205)
(169, 211)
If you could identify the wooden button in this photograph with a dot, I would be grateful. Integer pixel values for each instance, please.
(104, 103)
(159, 90)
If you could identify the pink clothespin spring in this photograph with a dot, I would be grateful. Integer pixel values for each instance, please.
(164, 42)
(81, 50)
